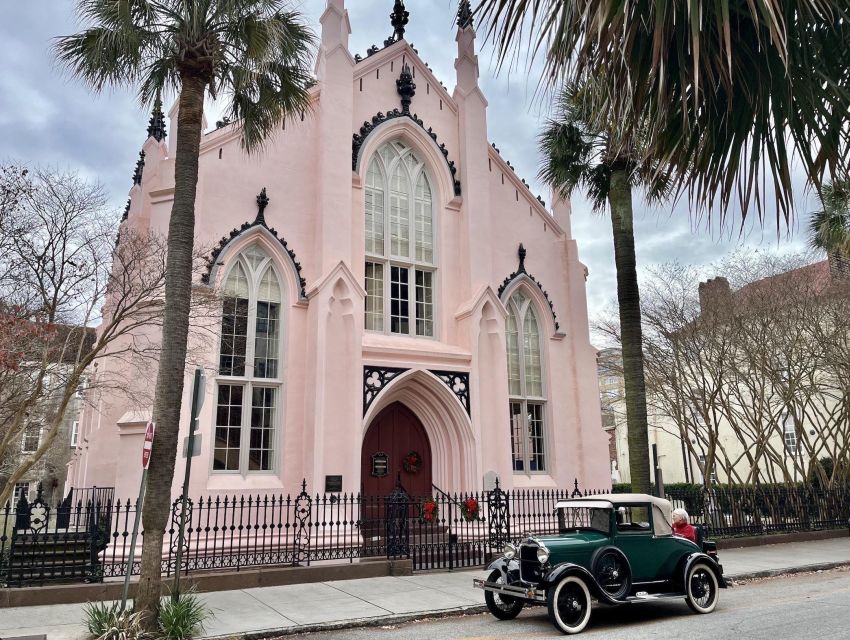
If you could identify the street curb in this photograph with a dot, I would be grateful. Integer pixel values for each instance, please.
(401, 618)
(771, 573)
(396, 618)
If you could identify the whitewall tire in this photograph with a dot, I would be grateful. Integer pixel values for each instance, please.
(569, 605)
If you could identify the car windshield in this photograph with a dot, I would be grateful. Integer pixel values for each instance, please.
(583, 518)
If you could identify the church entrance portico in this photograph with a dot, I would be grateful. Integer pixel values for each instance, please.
(396, 448)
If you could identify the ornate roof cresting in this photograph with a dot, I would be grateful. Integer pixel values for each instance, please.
(520, 271)
(156, 125)
(379, 118)
(406, 88)
(464, 15)
(398, 19)
(260, 220)
(140, 168)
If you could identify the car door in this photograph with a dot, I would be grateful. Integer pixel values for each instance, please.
(634, 537)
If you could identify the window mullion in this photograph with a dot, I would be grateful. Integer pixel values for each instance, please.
(245, 435)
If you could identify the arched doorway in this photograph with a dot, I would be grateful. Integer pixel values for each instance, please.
(393, 435)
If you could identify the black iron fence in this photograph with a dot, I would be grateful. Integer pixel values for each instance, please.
(88, 539)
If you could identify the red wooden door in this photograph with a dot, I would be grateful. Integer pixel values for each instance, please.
(395, 433)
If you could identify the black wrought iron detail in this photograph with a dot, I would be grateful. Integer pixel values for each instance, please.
(222, 123)
(464, 15)
(458, 382)
(358, 140)
(260, 220)
(406, 88)
(397, 509)
(303, 509)
(576, 493)
(262, 203)
(398, 19)
(498, 517)
(140, 167)
(521, 253)
(32, 516)
(374, 381)
(174, 532)
(126, 211)
(156, 125)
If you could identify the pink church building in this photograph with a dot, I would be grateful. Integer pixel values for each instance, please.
(396, 303)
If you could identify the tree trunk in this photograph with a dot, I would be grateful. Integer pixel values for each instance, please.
(172, 360)
(628, 298)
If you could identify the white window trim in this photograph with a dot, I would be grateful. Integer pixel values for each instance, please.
(75, 433)
(24, 483)
(388, 260)
(525, 400)
(248, 381)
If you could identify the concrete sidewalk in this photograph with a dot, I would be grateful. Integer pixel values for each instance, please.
(385, 600)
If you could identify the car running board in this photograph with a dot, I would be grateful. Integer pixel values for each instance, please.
(652, 597)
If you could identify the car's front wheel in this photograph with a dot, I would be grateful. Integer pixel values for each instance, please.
(701, 588)
(503, 607)
(569, 604)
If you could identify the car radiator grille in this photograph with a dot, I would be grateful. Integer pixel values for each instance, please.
(529, 566)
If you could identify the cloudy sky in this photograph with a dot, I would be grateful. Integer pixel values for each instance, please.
(48, 118)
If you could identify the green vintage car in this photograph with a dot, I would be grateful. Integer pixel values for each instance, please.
(611, 549)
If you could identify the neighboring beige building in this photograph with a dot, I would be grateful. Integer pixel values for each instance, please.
(789, 435)
(667, 452)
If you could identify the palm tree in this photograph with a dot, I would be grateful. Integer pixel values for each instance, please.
(607, 163)
(829, 228)
(732, 90)
(256, 54)
(728, 91)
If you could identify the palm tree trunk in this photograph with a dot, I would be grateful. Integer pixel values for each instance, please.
(175, 331)
(628, 298)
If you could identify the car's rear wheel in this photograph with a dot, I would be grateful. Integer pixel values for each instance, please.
(701, 588)
(503, 607)
(569, 604)
(612, 573)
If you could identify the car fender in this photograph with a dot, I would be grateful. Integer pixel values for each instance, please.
(561, 571)
(691, 558)
(508, 568)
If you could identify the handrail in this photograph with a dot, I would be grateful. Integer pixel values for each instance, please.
(446, 495)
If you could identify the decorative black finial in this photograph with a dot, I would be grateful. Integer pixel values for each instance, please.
(521, 253)
(399, 18)
(156, 125)
(126, 211)
(464, 15)
(140, 167)
(262, 203)
(406, 88)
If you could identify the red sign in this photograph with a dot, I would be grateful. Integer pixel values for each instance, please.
(148, 445)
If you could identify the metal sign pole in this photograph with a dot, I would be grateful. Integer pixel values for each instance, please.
(146, 452)
(197, 403)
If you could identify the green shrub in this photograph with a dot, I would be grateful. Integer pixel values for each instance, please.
(181, 619)
(106, 621)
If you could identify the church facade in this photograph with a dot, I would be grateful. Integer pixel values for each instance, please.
(395, 302)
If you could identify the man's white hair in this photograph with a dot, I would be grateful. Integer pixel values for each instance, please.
(682, 514)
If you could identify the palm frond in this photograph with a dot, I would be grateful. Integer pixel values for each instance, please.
(829, 228)
(733, 90)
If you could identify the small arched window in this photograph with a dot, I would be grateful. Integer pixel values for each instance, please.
(526, 386)
(249, 366)
(400, 265)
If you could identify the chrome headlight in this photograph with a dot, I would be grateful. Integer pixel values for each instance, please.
(509, 551)
(542, 555)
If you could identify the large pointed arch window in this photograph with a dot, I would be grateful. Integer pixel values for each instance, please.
(526, 386)
(400, 261)
(249, 380)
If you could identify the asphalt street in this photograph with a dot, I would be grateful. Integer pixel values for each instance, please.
(801, 606)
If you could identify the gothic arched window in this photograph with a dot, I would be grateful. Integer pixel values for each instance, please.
(526, 386)
(247, 400)
(400, 262)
